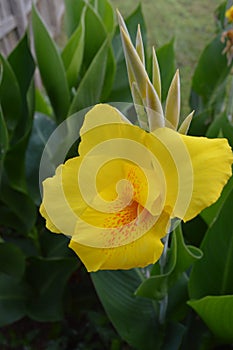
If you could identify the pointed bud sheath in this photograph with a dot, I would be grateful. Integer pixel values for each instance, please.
(145, 88)
(153, 108)
(140, 46)
(183, 129)
(134, 63)
(122, 25)
(156, 79)
(121, 22)
(138, 104)
(172, 109)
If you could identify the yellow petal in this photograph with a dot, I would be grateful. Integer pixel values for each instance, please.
(102, 114)
(97, 200)
(174, 161)
(142, 252)
(195, 169)
(211, 162)
(55, 209)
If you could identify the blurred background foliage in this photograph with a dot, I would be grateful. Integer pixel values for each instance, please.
(47, 300)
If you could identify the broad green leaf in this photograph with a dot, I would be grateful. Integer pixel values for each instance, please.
(194, 230)
(10, 96)
(179, 260)
(95, 35)
(211, 213)
(217, 313)
(12, 260)
(13, 296)
(166, 60)
(211, 71)
(227, 130)
(173, 336)
(3, 141)
(22, 63)
(106, 12)
(212, 275)
(18, 207)
(109, 75)
(134, 318)
(72, 54)
(216, 126)
(200, 123)
(54, 246)
(48, 278)
(43, 127)
(51, 67)
(91, 86)
(73, 14)
(42, 104)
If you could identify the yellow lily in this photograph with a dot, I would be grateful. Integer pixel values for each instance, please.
(117, 198)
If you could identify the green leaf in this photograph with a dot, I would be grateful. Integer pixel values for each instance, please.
(12, 300)
(54, 246)
(73, 14)
(95, 35)
(22, 63)
(217, 313)
(167, 65)
(18, 210)
(3, 141)
(134, 318)
(91, 86)
(212, 275)
(12, 260)
(211, 213)
(227, 130)
(48, 278)
(200, 122)
(211, 71)
(43, 127)
(109, 75)
(173, 336)
(180, 259)
(10, 96)
(106, 12)
(72, 54)
(42, 103)
(51, 67)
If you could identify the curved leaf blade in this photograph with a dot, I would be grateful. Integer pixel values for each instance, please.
(51, 67)
(72, 54)
(13, 296)
(91, 86)
(134, 318)
(211, 71)
(217, 313)
(180, 258)
(212, 275)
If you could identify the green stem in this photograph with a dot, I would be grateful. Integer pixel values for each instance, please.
(164, 302)
(229, 108)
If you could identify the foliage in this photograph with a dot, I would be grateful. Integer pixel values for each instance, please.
(36, 268)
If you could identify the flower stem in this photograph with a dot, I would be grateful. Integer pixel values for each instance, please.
(162, 262)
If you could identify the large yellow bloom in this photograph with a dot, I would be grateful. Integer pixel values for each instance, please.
(229, 14)
(117, 198)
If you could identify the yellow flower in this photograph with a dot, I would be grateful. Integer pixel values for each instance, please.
(229, 14)
(117, 198)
